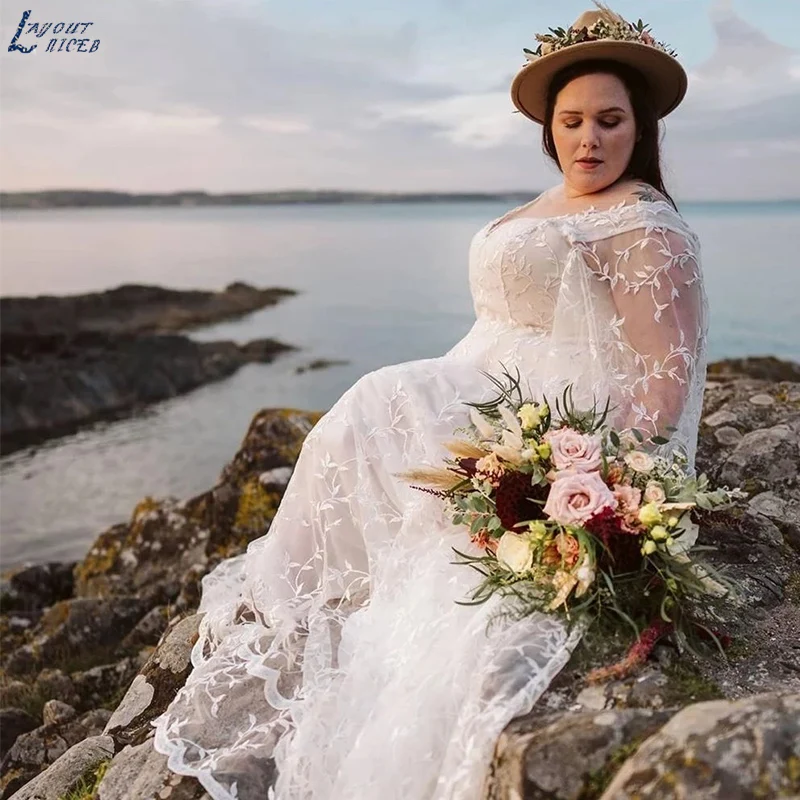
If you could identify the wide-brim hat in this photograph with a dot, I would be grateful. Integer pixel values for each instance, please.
(600, 34)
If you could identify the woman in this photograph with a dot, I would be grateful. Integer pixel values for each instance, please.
(333, 660)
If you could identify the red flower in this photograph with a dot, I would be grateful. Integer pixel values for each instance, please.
(468, 465)
(514, 498)
(623, 548)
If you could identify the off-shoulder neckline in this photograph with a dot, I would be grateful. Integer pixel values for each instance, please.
(499, 222)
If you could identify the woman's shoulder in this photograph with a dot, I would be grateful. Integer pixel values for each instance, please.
(639, 204)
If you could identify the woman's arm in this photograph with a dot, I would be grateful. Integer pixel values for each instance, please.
(655, 281)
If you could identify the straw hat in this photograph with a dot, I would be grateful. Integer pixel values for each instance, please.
(598, 34)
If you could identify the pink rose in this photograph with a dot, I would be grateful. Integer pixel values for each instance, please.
(576, 497)
(574, 450)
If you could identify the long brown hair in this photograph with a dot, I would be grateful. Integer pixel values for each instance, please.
(645, 163)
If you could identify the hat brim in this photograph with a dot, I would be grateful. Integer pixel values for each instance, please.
(665, 76)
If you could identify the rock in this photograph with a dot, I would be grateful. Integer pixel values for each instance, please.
(566, 757)
(14, 692)
(763, 368)
(36, 587)
(148, 629)
(54, 684)
(128, 309)
(784, 513)
(727, 435)
(34, 751)
(156, 685)
(720, 749)
(719, 418)
(320, 363)
(68, 770)
(110, 376)
(55, 712)
(145, 557)
(105, 685)
(242, 506)
(769, 456)
(13, 723)
(138, 772)
(84, 629)
(67, 361)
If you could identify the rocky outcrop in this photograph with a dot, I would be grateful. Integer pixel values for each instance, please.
(682, 724)
(731, 750)
(69, 361)
(132, 309)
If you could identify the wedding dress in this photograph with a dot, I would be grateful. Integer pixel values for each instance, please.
(333, 660)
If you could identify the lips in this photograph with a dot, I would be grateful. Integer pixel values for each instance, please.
(589, 161)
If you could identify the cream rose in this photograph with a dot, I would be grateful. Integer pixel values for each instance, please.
(639, 461)
(515, 552)
(654, 493)
(576, 497)
(574, 450)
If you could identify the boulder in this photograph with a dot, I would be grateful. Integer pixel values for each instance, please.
(69, 770)
(153, 689)
(13, 723)
(567, 756)
(138, 772)
(721, 749)
(84, 629)
(37, 586)
(35, 751)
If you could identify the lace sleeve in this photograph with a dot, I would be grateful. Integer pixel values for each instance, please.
(658, 330)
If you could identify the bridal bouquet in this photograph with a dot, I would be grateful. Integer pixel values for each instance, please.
(575, 518)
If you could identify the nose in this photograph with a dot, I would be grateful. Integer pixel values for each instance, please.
(590, 138)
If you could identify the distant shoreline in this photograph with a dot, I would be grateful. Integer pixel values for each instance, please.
(80, 198)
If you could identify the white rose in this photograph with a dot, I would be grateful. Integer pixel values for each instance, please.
(654, 493)
(639, 461)
(515, 552)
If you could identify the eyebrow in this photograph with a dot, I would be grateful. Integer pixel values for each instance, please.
(604, 111)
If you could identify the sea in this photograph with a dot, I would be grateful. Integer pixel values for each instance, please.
(377, 284)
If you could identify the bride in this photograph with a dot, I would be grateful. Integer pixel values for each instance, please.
(333, 661)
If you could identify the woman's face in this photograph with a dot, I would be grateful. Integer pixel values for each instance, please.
(594, 132)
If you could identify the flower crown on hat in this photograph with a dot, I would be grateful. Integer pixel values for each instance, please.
(605, 24)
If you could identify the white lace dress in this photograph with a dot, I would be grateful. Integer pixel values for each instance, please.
(333, 662)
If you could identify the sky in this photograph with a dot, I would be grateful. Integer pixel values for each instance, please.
(248, 95)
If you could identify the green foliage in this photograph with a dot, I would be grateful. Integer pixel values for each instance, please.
(89, 784)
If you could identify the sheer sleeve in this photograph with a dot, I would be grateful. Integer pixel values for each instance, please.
(659, 325)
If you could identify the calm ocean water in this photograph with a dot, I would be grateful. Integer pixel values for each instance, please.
(378, 285)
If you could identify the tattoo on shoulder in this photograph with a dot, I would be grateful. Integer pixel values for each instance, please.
(645, 192)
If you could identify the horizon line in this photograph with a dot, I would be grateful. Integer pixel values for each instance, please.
(329, 191)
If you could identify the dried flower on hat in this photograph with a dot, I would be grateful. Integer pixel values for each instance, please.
(605, 24)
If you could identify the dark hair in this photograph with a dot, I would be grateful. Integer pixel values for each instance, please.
(645, 163)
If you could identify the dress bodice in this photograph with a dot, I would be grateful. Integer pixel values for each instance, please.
(611, 300)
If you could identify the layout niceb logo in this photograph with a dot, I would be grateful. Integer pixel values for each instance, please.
(64, 37)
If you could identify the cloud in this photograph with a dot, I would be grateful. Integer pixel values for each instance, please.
(225, 96)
